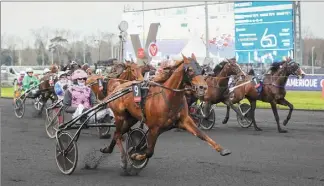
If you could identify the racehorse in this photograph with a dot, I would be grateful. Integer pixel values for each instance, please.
(271, 90)
(148, 68)
(46, 87)
(131, 72)
(218, 86)
(165, 108)
(128, 72)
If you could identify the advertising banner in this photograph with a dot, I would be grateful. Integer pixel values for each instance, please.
(309, 83)
(263, 31)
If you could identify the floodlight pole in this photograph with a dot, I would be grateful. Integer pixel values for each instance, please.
(207, 29)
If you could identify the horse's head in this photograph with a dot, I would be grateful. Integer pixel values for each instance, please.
(206, 70)
(48, 81)
(54, 68)
(193, 75)
(228, 67)
(132, 72)
(147, 68)
(290, 67)
(85, 67)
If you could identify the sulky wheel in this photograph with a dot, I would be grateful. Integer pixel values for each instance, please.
(209, 122)
(19, 107)
(134, 139)
(66, 155)
(51, 122)
(245, 122)
(38, 103)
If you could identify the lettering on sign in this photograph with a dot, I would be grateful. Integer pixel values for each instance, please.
(302, 83)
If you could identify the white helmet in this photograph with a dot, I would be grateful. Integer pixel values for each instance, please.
(22, 73)
(61, 73)
(46, 70)
(29, 70)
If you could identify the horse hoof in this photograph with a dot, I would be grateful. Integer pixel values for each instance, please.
(258, 129)
(104, 150)
(225, 152)
(123, 163)
(285, 122)
(225, 121)
(282, 131)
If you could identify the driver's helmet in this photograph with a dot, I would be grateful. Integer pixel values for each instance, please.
(61, 73)
(29, 70)
(79, 74)
(46, 70)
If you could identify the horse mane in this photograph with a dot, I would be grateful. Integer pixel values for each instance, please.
(251, 72)
(276, 66)
(219, 67)
(167, 72)
(127, 74)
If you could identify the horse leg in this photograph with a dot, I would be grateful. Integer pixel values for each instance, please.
(189, 125)
(43, 100)
(253, 106)
(275, 113)
(125, 128)
(227, 114)
(291, 108)
(117, 139)
(231, 105)
(152, 136)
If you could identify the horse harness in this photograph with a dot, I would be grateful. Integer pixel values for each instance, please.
(144, 95)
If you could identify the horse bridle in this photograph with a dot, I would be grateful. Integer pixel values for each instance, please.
(293, 72)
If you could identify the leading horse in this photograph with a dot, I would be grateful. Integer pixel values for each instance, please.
(271, 90)
(165, 108)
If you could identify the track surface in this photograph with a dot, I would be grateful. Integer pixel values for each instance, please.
(258, 158)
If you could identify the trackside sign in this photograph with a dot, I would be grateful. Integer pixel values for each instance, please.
(309, 83)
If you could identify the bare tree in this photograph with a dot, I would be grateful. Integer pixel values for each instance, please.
(307, 33)
(3, 38)
(42, 36)
(100, 37)
(74, 37)
(20, 46)
(11, 42)
(59, 41)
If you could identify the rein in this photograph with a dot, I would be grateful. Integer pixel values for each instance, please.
(171, 89)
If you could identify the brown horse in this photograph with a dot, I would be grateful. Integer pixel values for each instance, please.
(128, 72)
(165, 108)
(148, 68)
(46, 87)
(273, 90)
(218, 85)
(54, 68)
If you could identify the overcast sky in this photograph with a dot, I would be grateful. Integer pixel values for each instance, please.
(17, 18)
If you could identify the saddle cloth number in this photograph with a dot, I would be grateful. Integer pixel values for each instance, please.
(137, 93)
